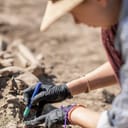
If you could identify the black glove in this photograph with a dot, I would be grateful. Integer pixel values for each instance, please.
(47, 94)
(53, 118)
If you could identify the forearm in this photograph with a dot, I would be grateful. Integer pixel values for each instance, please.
(85, 118)
(101, 77)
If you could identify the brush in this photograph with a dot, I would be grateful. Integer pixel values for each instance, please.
(35, 92)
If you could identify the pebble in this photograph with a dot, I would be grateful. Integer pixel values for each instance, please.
(11, 106)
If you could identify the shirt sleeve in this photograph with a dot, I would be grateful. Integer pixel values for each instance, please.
(118, 115)
(104, 121)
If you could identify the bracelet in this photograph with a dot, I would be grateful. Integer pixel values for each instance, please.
(72, 109)
(88, 86)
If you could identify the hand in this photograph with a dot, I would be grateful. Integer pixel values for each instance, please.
(29, 91)
(47, 94)
(53, 118)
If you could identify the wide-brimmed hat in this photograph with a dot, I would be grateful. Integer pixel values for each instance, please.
(56, 9)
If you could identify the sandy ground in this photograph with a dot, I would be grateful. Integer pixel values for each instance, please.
(69, 50)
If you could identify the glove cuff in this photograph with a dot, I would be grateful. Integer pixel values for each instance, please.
(66, 91)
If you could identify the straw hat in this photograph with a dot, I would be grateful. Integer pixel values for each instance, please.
(56, 9)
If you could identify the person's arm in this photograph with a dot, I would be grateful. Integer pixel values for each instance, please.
(68, 115)
(87, 118)
(84, 117)
(99, 78)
